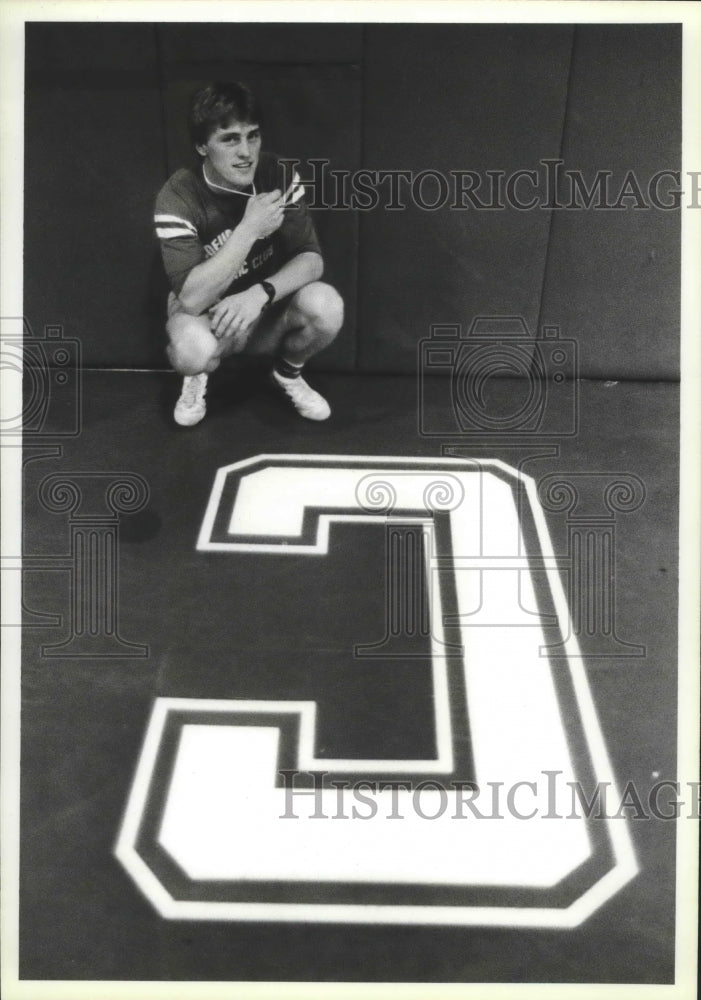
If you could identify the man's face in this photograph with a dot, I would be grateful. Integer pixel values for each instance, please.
(232, 154)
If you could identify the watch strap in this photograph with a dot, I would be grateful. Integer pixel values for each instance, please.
(270, 292)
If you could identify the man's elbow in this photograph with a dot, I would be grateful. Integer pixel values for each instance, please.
(191, 302)
(316, 266)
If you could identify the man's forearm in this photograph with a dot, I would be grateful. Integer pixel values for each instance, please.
(296, 273)
(207, 281)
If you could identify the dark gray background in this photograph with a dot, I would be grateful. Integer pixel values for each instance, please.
(105, 108)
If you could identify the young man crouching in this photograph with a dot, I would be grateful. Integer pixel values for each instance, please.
(242, 258)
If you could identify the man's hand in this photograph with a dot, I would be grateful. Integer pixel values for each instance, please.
(264, 214)
(234, 316)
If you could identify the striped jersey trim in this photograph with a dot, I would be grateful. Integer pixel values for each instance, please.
(170, 234)
(297, 190)
(170, 226)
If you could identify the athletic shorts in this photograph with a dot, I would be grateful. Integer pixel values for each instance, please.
(266, 334)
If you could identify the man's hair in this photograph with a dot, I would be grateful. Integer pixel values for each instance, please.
(215, 105)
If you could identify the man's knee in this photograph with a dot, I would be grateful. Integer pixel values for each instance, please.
(193, 348)
(321, 307)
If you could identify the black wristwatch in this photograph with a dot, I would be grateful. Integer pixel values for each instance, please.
(270, 292)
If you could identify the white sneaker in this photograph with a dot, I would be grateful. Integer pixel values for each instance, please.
(306, 401)
(191, 407)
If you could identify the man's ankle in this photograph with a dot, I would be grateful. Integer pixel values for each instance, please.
(287, 369)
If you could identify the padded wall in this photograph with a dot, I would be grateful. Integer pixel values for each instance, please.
(104, 128)
(94, 155)
(455, 97)
(613, 276)
(308, 79)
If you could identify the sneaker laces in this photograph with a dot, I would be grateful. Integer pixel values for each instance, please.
(307, 401)
(193, 389)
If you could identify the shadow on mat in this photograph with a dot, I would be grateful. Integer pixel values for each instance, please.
(237, 381)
